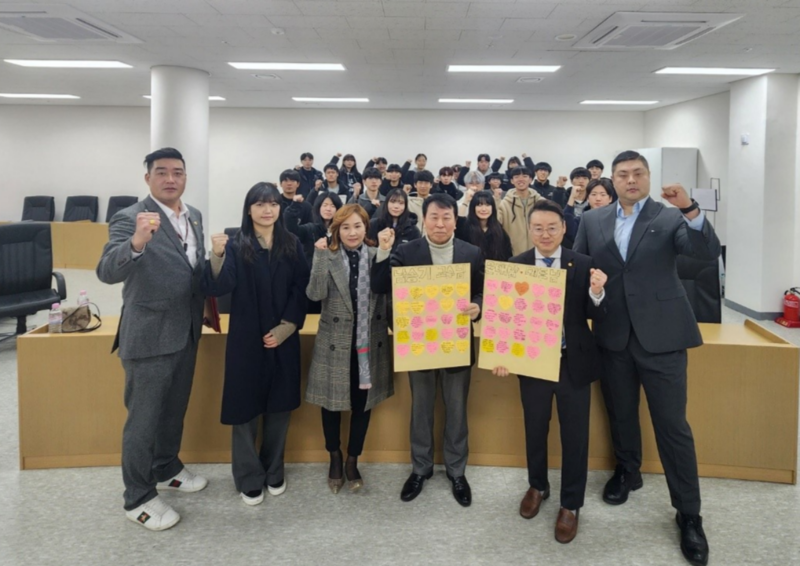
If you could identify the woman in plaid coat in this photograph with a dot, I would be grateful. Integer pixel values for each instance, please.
(351, 366)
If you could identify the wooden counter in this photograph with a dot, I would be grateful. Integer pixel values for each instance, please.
(743, 408)
(78, 245)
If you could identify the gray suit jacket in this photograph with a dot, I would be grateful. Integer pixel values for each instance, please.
(643, 290)
(162, 304)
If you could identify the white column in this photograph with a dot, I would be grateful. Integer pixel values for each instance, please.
(179, 119)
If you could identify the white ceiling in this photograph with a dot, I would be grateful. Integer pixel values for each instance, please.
(396, 51)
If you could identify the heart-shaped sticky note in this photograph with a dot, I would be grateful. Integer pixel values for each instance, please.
(418, 335)
(534, 337)
(533, 352)
(403, 337)
(417, 307)
(505, 317)
(432, 291)
(417, 349)
(504, 333)
(553, 308)
(537, 289)
(489, 332)
(487, 346)
(447, 333)
(553, 325)
(490, 315)
(519, 335)
(502, 347)
(432, 347)
(462, 346)
(416, 322)
(402, 350)
(537, 306)
(447, 290)
(492, 285)
(520, 304)
(431, 334)
(448, 347)
(462, 304)
(447, 319)
(462, 332)
(554, 292)
(517, 350)
(416, 292)
(431, 320)
(552, 339)
(402, 307)
(505, 302)
(401, 293)
(432, 306)
(520, 319)
(490, 300)
(462, 289)
(506, 286)
(521, 287)
(447, 304)
(536, 322)
(462, 320)
(401, 321)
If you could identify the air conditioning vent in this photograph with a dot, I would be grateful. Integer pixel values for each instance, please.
(58, 23)
(650, 30)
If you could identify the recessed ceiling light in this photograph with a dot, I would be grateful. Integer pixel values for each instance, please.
(711, 71)
(69, 64)
(288, 66)
(503, 68)
(277, 31)
(266, 77)
(620, 102)
(526, 80)
(213, 98)
(476, 100)
(313, 99)
(15, 95)
(566, 37)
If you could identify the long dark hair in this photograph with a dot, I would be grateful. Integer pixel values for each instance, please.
(316, 217)
(383, 211)
(284, 244)
(491, 241)
(343, 169)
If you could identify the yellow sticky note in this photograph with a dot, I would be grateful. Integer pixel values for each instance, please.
(505, 302)
(447, 290)
(517, 350)
(487, 345)
(447, 304)
(462, 289)
(448, 346)
(462, 345)
(431, 335)
(417, 349)
(402, 307)
(403, 337)
(462, 319)
(432, 291)
(417, 307)
(416, 292)
(402, 321)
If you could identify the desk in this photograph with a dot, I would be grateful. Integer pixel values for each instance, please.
(78, 245)
(743, 408)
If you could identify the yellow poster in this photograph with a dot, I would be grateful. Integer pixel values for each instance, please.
(430, 330)
(522, 323)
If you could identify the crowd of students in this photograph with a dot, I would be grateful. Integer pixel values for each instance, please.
(326, 242)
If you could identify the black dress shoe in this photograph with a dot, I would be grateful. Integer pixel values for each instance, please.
(413, 486)
(694, 544)
(620, 485)
(461, 490)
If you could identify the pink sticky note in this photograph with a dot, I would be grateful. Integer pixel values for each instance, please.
(553, 308)
(552, 339)
(462, 332)
(553, 325)
(537, 289)
(447, 319)
(432, 305)
(505, 317)
(520, 304)
(534, 337)
(432, 347)
(431, 320)
(401, 293)
(504, 333)
(554, 292)
(490, 315)
(490, 300)
(536, 322)
(506, 286)
(462, 304)
(519, 335)
(502, 347)
(520, 319)
(537, 306)
(533, 352)
(447, 333)
(491, 285)
(403, 350)
(489, 332)
(417, 335)
(416, 322)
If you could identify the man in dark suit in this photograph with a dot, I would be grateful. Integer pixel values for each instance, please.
(156, 248)
(580, 366)
(439, 246)
(648, 328)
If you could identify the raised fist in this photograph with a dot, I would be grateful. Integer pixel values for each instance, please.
(147, 224)
(218, 243)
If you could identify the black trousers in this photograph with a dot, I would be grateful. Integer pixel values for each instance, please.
(663, 377)
(359, 418)
(573, 404)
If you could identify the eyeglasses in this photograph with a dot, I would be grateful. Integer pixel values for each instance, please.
(552, 230)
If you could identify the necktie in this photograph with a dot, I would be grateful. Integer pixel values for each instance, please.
(548, 261)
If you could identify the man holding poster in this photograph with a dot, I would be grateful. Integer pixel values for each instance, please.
(580, 366)
(439, 246)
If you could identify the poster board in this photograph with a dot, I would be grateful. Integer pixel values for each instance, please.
(430, 332)
(523, 312)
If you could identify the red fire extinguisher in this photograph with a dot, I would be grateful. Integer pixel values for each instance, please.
(791, 309)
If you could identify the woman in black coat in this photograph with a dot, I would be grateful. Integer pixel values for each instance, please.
(265, 271)
(481, 228)
(394, 213)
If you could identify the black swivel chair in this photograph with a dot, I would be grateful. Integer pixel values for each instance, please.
(224, 302)
(115, 204)
(81, 208)
(26, 255)
(700, 278)
(39, 209)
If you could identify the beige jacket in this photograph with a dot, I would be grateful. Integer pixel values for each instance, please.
(513, 215)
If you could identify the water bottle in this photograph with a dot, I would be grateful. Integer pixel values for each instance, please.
(54, 320)
(83, 299)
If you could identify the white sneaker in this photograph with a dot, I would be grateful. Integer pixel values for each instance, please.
(185, 481)
(277, 490)
(253, 500)
(155, 515)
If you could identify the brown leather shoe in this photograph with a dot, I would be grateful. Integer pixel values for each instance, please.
(529, 507)
(566, 525)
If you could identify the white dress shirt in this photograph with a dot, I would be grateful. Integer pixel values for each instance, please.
(182, 225)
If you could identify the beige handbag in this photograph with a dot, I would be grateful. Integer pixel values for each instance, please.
(77, 319)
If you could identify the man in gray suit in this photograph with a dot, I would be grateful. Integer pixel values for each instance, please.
(156, 248)
(645, 336)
